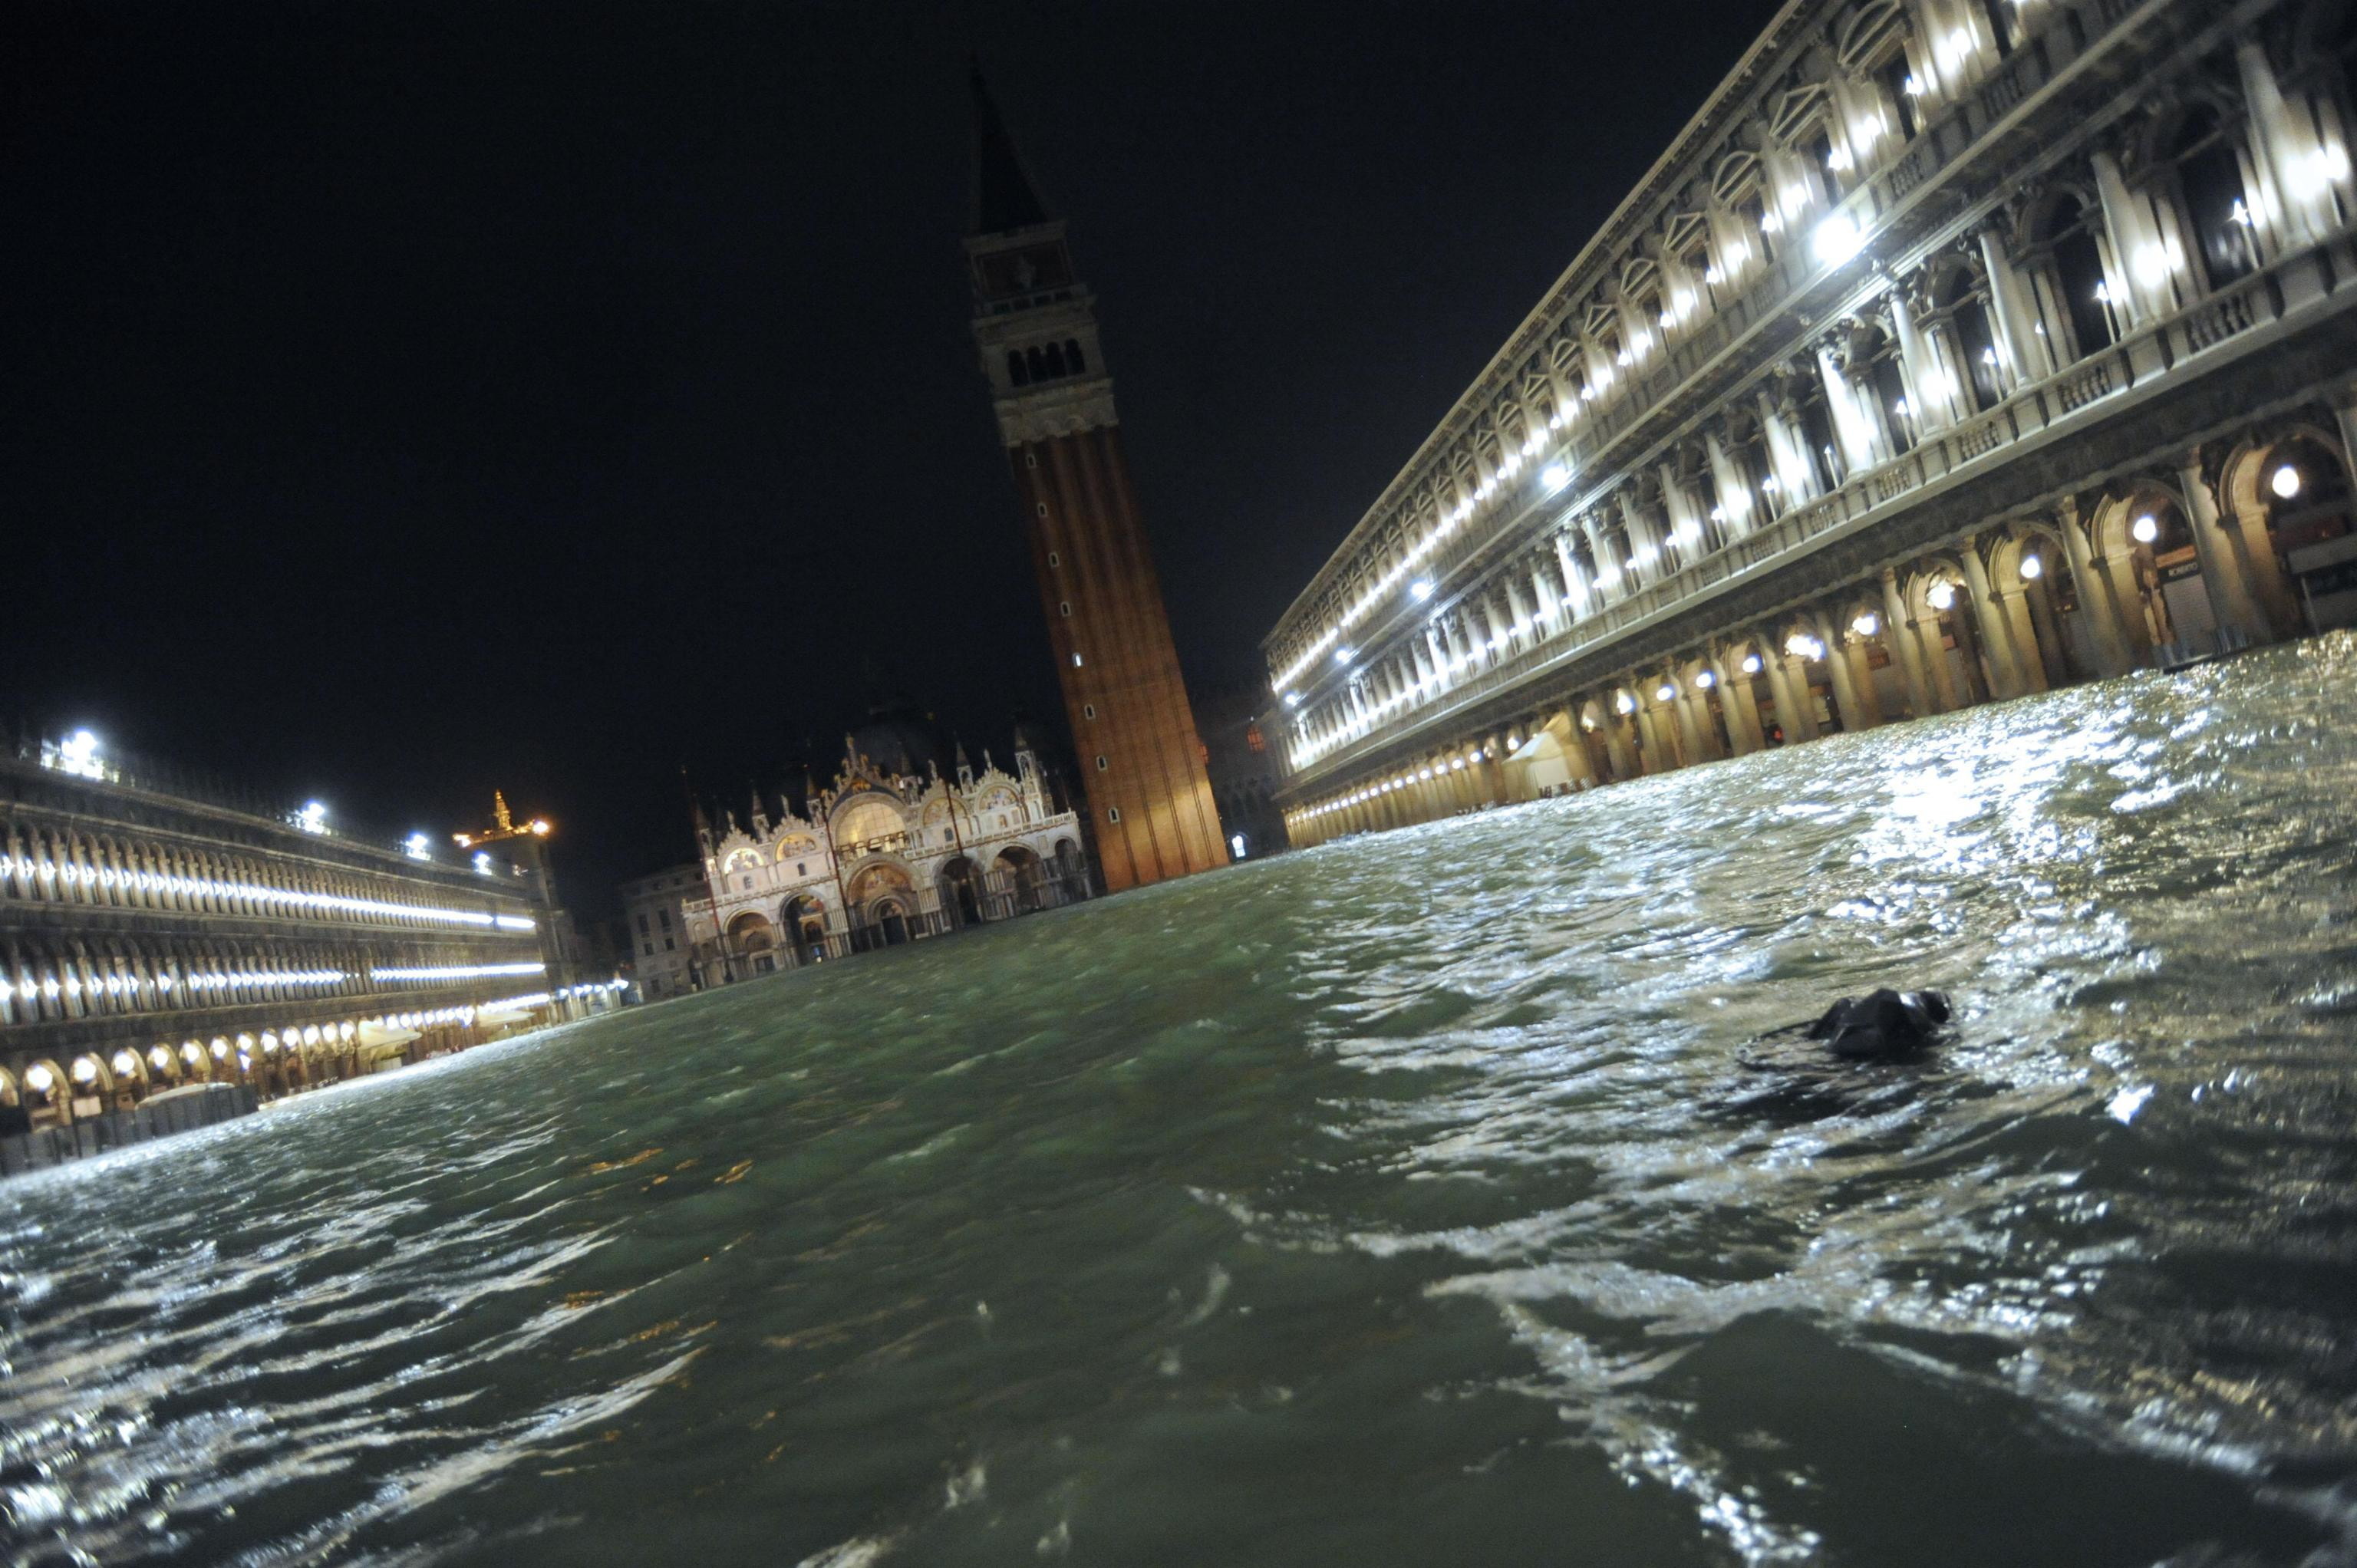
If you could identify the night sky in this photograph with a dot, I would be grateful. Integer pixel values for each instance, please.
(400, 401)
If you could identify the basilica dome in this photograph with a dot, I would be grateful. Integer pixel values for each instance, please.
(901, 737)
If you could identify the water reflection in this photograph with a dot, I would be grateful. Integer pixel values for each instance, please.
(1424, 1197)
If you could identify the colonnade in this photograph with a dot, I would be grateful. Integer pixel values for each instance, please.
(2184, 560)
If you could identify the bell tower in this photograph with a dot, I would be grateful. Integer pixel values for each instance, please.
(1149, 803)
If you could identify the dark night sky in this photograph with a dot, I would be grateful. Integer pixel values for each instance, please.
(398, 401)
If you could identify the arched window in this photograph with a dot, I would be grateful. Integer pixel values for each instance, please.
(1873, 366)
(1074, 364)
(1055, 359)
(1016, 371)
(2070, 230)
(1899, 83)
(1823, 449)
(1959, 299)
(2209, 177)
(1818, 149)
(1038, 363)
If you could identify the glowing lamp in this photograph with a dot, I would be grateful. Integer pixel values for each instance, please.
(1941, 595)
(2285, 481)
(1752, 664)
(2033, 568)
(1836, 240)
(1867, 624)
(1664, 692)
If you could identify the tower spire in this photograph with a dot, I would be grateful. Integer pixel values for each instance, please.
(1003, 196)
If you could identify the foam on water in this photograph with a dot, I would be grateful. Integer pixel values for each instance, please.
(1421, 1198)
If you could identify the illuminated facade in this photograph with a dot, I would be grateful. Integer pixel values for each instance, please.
(1150, 811)
(888, 854)
(154, 935)
(1954, 352)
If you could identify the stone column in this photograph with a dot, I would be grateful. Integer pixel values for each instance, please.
(2027, 356)
(1787, 454)
(1617, 748)
(1911, 658)
(2022, 638)
(1859, 451)
(2006, 679)
(1933, 649)
(1689, 731)
(1795, 709)
(1860, 652)
(1574, 586)
(2276, 148)
(1718, 738)
(2046, 623)
(1740, 742)
(1661, 751)
(1932, 415)
(1854, 713)
(2127, 584)
(2128, 225)
(1736, 501)
(2222, 570)
(2097, 608)
(1642, 542)
(1521, 613)
(1740, 699)
(1493, 769)
(2246, 528)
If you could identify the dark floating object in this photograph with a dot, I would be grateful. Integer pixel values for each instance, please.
(1882, 1023)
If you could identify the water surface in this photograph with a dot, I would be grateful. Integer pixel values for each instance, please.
(1422, 1198)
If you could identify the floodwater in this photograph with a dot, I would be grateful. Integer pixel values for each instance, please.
(1419, 1199)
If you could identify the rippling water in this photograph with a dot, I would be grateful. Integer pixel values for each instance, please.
(1417, 1199)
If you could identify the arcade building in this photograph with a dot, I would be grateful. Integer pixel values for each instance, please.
(1956, 350)
(160, 932)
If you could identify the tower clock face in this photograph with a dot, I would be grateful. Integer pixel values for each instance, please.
(1006, 274)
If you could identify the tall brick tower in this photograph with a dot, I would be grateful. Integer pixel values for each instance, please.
(1141, 765)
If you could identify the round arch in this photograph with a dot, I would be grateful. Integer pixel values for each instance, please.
(1019, 864)
(46, 1092)
(2286, 491)
(962, 892)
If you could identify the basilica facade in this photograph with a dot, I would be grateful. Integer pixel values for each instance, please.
(892, 851)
